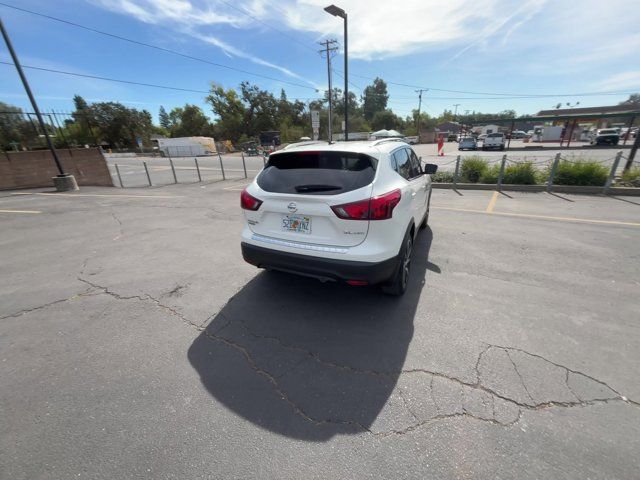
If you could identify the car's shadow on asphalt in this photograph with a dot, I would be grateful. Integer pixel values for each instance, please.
(309, 360)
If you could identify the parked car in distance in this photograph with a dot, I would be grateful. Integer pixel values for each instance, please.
(517, 134)
(411, 140)
(481, 137)
(495, 141)
(468, 143)
(452, 137)
(605, 136)
(346, 211)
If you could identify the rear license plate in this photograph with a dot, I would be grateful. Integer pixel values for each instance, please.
(296, 223)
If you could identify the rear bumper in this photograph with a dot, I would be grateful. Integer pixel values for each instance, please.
(317, 267)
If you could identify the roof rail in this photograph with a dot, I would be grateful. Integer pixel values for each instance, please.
(301, 144)
(392, 139)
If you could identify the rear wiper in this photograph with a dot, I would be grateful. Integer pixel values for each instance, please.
(316, 188)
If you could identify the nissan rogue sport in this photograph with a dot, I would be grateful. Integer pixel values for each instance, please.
(338, 212)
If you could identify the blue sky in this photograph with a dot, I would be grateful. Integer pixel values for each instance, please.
(524, 48)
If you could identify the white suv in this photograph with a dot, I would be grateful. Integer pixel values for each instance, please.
(338, 212)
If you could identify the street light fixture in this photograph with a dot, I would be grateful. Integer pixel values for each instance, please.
(338, 12)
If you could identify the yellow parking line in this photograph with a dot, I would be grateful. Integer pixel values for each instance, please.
(96, 195)
(20, 211)
(543, 217)
(492, 202)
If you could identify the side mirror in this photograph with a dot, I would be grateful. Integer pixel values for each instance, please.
(430, 168)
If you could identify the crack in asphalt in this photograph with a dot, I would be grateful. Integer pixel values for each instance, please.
(49, 304)
(145, 297)
(524, 385)
(117, 219)
(394, 375)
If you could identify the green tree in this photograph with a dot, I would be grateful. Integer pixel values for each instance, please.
(80, 103)
(633, 100)
(386, 119)
(188, 121)
(163, 118)
(230, 113)
(261, 113)
(118, 125)
(374, 98)
(16, 130)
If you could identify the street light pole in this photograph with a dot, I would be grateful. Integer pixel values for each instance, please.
(338, 12)
(346, 81)
(63, 181)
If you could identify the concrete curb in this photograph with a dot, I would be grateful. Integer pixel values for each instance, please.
(541, 188)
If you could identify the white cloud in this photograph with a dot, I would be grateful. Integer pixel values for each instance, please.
(181, 11)
(620, 81)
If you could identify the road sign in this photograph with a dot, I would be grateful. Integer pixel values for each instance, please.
(315, 119)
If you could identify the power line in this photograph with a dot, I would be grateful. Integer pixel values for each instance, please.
(156, 47)
(512, 95)
(130, 82)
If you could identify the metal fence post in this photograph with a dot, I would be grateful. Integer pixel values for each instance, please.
(173, 169)
(552, 174)
(221, 166)
(504, 161)
(264, 160)
(612, 173)
(147, 172)
(197, 169)
(455, 175)
(119, 177)
(244, 165)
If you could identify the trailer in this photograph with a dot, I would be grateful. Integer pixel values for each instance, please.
(186, 146)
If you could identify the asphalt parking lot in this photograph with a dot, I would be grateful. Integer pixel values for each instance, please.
(135, 343)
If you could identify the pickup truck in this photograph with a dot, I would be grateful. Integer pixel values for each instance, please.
(494, 141)
(605, 136)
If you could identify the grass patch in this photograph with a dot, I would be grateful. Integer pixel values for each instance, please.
(631, 178)
(581, 173)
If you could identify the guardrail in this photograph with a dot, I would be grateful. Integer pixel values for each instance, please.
(546, 174)
(164, 170)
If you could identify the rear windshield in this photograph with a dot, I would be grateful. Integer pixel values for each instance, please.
(495, 135)
(608, 132)
(317, 172)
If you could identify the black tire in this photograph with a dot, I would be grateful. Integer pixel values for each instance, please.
(398, 284)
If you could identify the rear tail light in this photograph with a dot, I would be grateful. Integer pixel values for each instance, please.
(374, 208)
(248, 202)
(357, 283)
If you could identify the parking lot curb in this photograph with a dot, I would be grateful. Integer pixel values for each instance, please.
(585, 190)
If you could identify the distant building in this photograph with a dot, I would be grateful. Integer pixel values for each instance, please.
(448, 128)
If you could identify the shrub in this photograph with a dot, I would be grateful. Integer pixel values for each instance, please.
(631, 178)
(491, 174)
(580, 173)
(520, 174)
(472, 169)
(442, 177)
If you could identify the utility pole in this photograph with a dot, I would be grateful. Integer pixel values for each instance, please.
(329, 48)
(419, 92)
(455, 114)
(63, 181)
